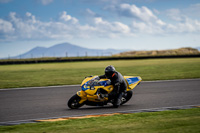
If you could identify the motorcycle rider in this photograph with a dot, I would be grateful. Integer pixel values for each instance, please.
(118, 81)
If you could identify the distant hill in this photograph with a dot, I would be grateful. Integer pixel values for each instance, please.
(181, 51)
(66, 50)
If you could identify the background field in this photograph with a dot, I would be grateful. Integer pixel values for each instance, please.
(47, 74)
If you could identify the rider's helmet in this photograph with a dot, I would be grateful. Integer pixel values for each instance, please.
(109, 71)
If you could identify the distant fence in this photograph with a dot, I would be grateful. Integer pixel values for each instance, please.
(61, 59)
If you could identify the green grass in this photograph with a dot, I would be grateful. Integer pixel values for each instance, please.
(47, 74)
(179, 121)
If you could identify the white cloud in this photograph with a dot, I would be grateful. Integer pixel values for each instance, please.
(31, 18)
(132, 11)
(121, 27)
(68, 18)
(104, 2)
(45, 2)
(160, 22)
(145, 21)
(28, 14)
(189, 26)
(33, 29)
(156, 11)
(111, 29)
(28, 27)
(148, 28)
(181, 26)
(184, 20)
(138, 21)
(90, 12)
(6, 27)
(192, 12)
(175, 14)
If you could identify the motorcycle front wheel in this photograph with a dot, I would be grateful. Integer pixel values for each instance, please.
(73, 102)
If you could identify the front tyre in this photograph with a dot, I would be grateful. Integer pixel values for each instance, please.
(127, 97)
(73, 102)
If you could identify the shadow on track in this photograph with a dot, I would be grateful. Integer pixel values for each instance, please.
(107, 107)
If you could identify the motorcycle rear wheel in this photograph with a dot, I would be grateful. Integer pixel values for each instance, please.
(73, 102)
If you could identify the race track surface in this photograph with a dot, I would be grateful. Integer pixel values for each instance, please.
(49, 102)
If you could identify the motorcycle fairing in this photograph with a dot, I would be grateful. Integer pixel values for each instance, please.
(91, 90)
(132, 81)
(94, 98)
(83, 96)
(89, 93)
(103, 82)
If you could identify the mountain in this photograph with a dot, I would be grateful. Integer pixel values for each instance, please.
(180, 51)
(66, 49)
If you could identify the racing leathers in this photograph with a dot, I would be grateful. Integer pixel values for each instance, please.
(120, 85)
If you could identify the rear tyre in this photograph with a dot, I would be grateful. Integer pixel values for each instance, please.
(73, 102)
(127, 97)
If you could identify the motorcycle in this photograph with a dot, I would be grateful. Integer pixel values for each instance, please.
(96, 92)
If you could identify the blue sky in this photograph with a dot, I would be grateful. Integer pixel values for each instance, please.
(102, 24)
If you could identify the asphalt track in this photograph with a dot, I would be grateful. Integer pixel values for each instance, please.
(51, 102)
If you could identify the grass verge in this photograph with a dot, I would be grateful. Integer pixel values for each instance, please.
(47, 74)
(179, 121)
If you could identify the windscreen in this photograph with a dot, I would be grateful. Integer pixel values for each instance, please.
(93, 83)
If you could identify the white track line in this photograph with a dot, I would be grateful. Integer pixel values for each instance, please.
(174, 80)
(37, 87)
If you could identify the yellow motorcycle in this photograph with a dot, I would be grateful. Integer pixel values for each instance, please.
(96, 92)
